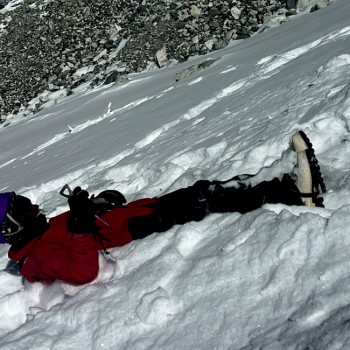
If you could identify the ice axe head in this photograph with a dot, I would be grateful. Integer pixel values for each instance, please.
(66, 191)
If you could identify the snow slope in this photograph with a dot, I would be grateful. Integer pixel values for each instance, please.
(275, 278)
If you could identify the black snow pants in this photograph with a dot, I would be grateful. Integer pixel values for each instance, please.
(204, 197)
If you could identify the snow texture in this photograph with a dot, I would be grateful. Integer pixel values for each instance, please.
(274, 278)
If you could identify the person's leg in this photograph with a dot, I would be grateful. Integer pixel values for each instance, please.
(175, 208)
(195, 202)
(244, 199)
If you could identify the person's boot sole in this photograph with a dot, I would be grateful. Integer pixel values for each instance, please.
(310, 170)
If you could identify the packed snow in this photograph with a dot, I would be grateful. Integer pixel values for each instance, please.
(274, 278)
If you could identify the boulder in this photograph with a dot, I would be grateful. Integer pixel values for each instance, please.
(161, 57)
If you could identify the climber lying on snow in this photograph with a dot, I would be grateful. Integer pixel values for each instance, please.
(66, 248)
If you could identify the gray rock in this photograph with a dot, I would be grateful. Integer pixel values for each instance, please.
(235, 12)
(116, 77)
(53, 87)
(291, 12)
(302, 4)
(195, 11)
(320, 5)
(161, 57)
(48, 43)
(323, 3)
(193, 69)
(291, 4)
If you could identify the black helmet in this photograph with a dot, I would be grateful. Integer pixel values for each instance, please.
(23, 221)
(109, 199)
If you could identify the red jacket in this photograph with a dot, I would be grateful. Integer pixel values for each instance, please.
(59, 254)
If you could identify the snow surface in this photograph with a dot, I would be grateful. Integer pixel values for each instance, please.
(275, 278)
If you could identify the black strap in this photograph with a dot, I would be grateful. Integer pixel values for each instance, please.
(102, 238)
(308, 195)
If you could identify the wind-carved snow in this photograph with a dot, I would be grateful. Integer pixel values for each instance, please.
(164, 92)
(229, 69)
(80, 127)
(149, 139)
(274, 278)
(197, 110)
(195, 81)
(7, 163)
(271, 63)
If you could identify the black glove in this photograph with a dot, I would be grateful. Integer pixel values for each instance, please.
(82, 212)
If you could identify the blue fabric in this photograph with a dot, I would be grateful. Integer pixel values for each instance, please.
(4, 200)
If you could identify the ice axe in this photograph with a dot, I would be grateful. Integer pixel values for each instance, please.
(67, 192)
(65, 189)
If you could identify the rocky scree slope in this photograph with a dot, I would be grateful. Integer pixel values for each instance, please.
(60, 44)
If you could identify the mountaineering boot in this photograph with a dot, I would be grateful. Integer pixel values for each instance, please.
(309, 178)
(300, 142)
